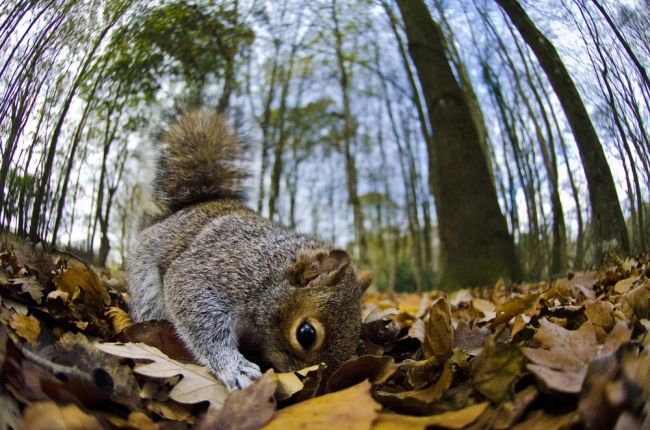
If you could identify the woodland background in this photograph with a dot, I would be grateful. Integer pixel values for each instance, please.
(444, 143)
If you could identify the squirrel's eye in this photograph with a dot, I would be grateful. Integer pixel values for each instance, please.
(306, 335)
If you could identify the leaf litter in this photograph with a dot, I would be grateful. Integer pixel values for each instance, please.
(569, 353)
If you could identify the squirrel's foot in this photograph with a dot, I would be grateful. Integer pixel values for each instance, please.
(235, 371)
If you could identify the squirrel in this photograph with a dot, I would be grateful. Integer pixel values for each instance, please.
(241, 291)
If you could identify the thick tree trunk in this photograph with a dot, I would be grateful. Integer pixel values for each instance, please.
(476, 245)
(607, 217)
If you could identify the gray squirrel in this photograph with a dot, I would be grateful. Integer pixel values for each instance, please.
(242, 291)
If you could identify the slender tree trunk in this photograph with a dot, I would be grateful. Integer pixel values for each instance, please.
(473, 231)
(276, 171)
(348, 137)
(623, 42)
(47, 169)
(607, 217)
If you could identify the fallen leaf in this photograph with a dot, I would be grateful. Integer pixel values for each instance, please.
(352, 408)
(424, 396)
(439, 333)
(508, 413)
(160, 334)
(562, 358)
(75, 351)
(288, 385)
(197, 384)
(540, 420)
(486, 307)
(138, 420)
(376, 369)
(172, 411)
(600, 313)
(27, 327)
(420, 373)
(638, 299)
(497, 369)
(513, 307)
(47, 415)
(470, 339)
(120, 320)
(615, 383)
(448, 420)
(85, 280)
(247, 409)
(625, 285)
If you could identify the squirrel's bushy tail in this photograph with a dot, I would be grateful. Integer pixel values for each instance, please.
(200, 160)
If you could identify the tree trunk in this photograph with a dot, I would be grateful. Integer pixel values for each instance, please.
(348, 136)
(47, 169)
(476, 245)
(607, 217)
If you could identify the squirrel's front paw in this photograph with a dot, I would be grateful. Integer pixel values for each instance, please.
(235, 371)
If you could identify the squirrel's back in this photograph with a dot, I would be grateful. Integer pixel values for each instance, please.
(200, 160)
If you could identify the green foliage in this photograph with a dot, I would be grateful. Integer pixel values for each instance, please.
(181, 41)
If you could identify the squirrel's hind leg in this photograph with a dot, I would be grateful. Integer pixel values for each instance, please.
(147, 300)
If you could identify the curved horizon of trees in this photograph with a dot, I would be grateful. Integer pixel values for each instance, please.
(443, 143)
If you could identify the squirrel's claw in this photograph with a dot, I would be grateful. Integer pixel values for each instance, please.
(237, 373)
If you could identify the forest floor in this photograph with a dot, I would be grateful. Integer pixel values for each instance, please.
(572, 353)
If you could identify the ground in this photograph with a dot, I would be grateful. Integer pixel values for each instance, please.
(570, 353)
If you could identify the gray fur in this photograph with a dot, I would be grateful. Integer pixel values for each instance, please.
(232, 282)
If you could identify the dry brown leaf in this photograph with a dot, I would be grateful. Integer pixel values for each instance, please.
(497, 369)
(85, 280)
(470, 339)
(513, 307)
(47, 415)
(562, 358)
(120, 320)
(160, 334)
(638, 300)
(420, 373)
(172, 411)
(27, 327)
(439, 333)
(486, 307)
(288, 385)
(197, 384)
(247, 409)
(427, 395)
(614, 383)
(508, 413)
(375, 369)
(352, 409)
(448, 420)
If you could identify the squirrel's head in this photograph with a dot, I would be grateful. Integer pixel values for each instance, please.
(320, 320)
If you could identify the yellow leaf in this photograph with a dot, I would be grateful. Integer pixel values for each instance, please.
(119, 319)
(27, 327)
(48, 415)
(448, 420)
(87, 281)
(140, 421)
(352, 408)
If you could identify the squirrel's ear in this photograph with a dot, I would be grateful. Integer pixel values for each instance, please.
(364, 279)
(328, 265)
